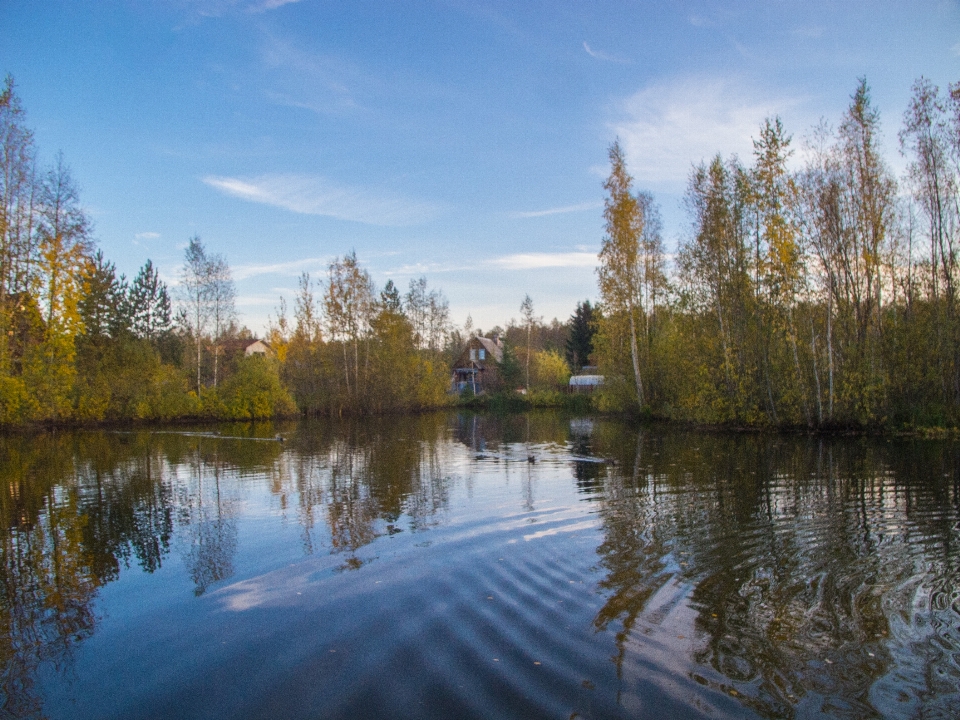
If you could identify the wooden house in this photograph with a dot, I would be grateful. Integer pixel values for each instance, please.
(477, 368)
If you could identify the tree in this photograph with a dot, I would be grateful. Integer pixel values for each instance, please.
(103, 306)
(850, 197)
(19, 201)
(526, 311)
(222, 294)
(620, 253)
(779, 269)
(195, 297)
(580, 341)
(64, 250)
(390, 297)
(149, 304)
(348, 307)
(929, 140)
(717, 280)
(429, 313)
(65, 245)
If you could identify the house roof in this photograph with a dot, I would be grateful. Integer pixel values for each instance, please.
(493, 353)
(495, 350)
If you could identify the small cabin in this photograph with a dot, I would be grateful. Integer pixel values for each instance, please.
(477, 368)
(258, 347)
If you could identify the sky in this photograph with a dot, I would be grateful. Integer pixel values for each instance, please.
(462, 141)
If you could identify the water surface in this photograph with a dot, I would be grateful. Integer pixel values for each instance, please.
(464, 565)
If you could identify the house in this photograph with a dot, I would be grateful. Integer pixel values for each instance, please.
(258, 347)
(477, 367)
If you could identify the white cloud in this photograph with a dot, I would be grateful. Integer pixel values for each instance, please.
(292, 269)
(670, 126)
(427, 268)
(266, 5)
(313, 195)
(147, 235)
(598, 55)
(220, 8)
(956, 49)
(540, 260)
(558, 210)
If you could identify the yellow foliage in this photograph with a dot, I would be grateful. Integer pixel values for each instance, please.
(550, 370)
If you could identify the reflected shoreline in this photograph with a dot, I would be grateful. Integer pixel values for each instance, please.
(793, 575)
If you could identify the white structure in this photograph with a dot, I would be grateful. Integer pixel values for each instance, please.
(585, 383)
(258, 347)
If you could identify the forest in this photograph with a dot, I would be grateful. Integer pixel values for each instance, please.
(813, 288)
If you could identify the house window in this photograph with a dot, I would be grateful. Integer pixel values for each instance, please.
(483, 353)
(473, 353)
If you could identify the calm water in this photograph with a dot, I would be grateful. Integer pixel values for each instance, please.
(424, 567)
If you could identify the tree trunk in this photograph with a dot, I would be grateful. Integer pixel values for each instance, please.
(636, 360)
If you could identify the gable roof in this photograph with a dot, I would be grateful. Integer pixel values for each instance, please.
(495, 350)
(492, 350)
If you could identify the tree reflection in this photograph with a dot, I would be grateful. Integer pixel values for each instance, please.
(48, 579)
(369, 479)
(209, 528)
(800, 554)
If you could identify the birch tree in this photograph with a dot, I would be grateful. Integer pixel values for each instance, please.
(348, 307)
(526, 312)
(222, 295)
(195, 298)
(620, 252)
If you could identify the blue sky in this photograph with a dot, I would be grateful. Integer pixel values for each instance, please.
(464, 141)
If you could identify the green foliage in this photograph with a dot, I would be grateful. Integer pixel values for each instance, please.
(511, 370)
(253, 391)
(149, 304)
(580, 343)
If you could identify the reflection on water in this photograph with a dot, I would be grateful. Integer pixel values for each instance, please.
(824, 576)
(538, 565)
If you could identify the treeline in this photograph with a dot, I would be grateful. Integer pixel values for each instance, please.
(820, 294)
(79, 343)
(351, 348)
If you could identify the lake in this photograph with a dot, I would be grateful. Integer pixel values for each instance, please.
(476, 566)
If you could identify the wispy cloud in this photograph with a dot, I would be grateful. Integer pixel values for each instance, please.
(292, 268)
(517, 261)
(219, 8)
(669, 126)
(314, 195)
(147, 235)
(540, 260)
(557, 211)
(599, 55)
(416, 269)
(319, 82)
(266, 5)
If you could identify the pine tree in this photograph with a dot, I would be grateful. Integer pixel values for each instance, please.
(149, 304)
(580, 342)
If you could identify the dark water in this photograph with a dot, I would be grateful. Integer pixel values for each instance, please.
(423, 567)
